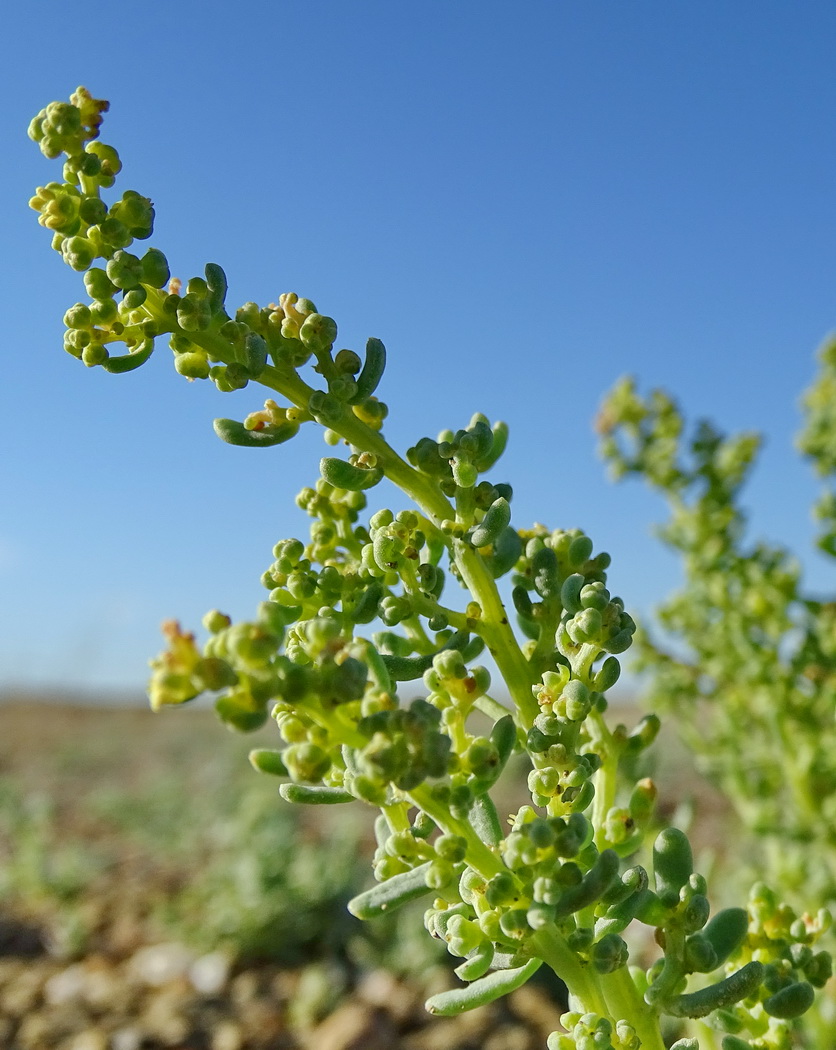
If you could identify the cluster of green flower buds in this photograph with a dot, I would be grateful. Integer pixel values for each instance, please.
(574, 602)
(361, 608)
(133, 300)
(757, 650)
(591, 1032)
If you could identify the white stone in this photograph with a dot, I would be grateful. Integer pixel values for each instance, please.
(210, 973)
(66, 985)
(158, 964)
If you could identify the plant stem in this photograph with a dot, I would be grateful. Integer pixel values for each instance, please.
(626, 1004)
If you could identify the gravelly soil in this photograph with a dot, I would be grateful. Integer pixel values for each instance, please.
(130, 984)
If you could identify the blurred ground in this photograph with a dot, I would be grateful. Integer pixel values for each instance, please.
(155, 893)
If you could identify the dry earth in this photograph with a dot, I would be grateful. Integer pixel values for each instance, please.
(85, 964)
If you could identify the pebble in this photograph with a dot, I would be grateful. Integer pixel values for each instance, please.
(209, 974)
(157, 964)
(510, 1037)
(354, 1026)
(89, 1039)
(383, 990)
(227, 1036)
(164, 1017)
(22, 994)
(33, 1032)
(244, 988)
(66, 985)
(129, 1038)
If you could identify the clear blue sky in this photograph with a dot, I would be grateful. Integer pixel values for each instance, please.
(524, 201)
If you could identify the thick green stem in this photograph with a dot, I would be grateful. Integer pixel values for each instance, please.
(494, 627)
(606, 777)
(583, 982)
(496, 630)
(286, 381)
(625, 1003)
(479, 856)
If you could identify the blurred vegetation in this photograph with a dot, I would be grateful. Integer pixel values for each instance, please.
(108, 810)
(115, 813)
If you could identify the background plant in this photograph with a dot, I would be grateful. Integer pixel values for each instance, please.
(744, 645)
(553, 888)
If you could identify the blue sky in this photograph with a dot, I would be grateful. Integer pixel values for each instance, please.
(523, 201)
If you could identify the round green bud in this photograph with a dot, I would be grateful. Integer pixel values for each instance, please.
(501, 889)
(342, 387)
(135, 212)
(104, 311)
(215, 673)
(193, 365)
(197, 287)
(111, 165)
(819, 969)
(450, 664)
(541, 832)
(576, 699)
(695, 913)
(610, 953)
(539, 916)
(215, 621)
(348, 362)
(594, 596)
(133, 299)
(326, 409)
(700, 956)
(78, 316)
(306, 763)
(87, 164)
(465, 473)
(544, 782)
(61, 214)
(585, 626)
(550, 726)
(124, 270)
(94, 354)
(514, 922)
(318, 332)
(193, 313)
(78, 252)
(463, 935)
(77, 338)
(63, 119)
(112, 232)
(451, 848)
(155, 269)
(92, 210)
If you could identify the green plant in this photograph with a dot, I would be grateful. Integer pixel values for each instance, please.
(270, 889)
(556, 887)
(744, 644)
